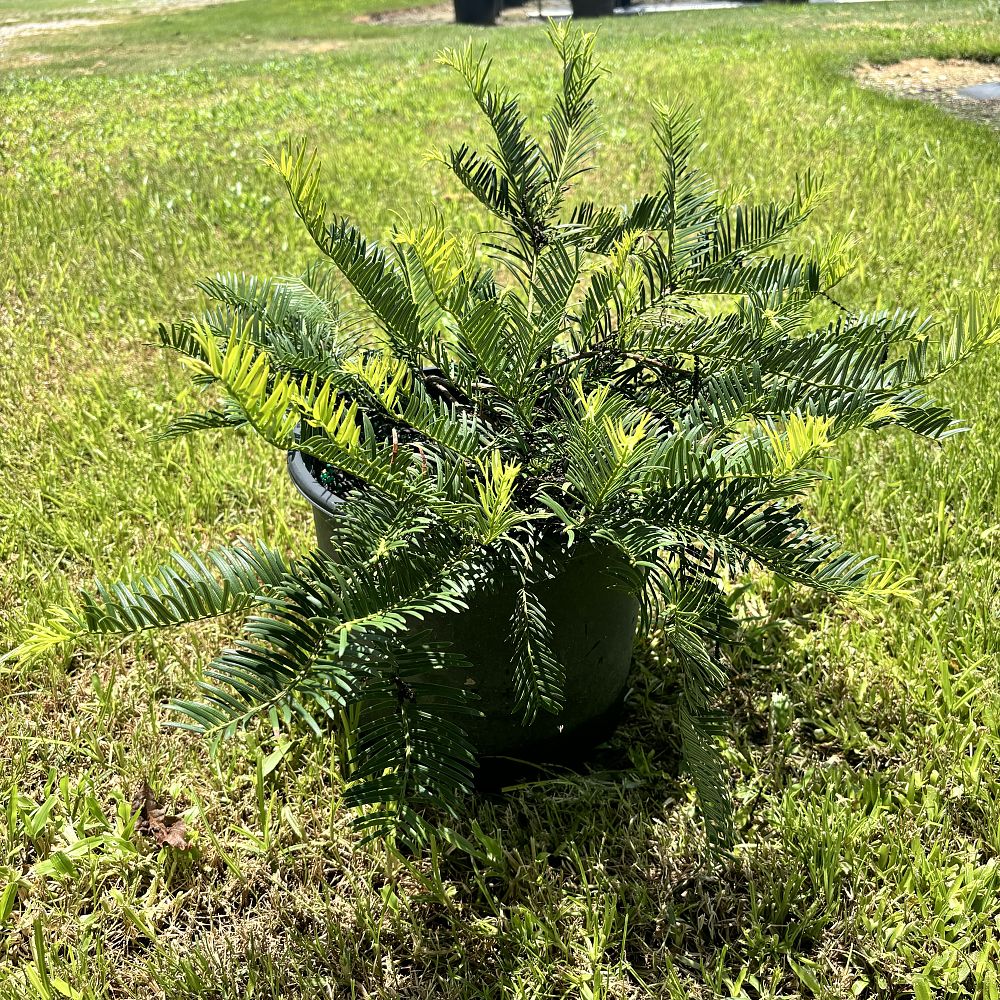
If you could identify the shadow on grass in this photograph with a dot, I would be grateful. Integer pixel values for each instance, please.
(592, 882)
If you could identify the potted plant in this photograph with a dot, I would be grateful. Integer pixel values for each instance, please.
(524, 446)
(482, 12)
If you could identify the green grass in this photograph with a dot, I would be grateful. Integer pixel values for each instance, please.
(145, 35)
(131, 165)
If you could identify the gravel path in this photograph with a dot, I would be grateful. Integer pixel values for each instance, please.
(444, 13)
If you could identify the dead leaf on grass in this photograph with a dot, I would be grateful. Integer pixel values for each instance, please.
(167, 831)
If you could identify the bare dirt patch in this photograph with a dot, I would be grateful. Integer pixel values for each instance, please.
(24, 29)
(305, 46)
(439, 13)
(938, 81)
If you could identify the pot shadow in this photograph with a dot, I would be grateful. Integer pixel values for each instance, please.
(620, 829)
(616, 829)
(597, 863)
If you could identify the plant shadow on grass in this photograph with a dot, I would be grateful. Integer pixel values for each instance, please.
(599, 870)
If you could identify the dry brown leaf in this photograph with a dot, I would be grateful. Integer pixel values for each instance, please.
(167, 831)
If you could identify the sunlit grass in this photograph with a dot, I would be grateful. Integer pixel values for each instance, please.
(131, 165)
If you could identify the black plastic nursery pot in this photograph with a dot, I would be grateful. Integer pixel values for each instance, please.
(477, 11)
(593, 8)
(593, 625)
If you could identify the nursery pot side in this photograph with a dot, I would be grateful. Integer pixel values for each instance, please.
(593, 622)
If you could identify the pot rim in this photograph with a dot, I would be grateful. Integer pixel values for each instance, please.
(320, 498)
(308, 485)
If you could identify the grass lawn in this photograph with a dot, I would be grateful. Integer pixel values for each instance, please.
(130, 166)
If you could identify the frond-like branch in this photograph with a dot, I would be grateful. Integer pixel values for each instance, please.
(190, 588)
(539, 677)
(412, 755)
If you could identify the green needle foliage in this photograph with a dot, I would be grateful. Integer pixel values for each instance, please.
(658, 381)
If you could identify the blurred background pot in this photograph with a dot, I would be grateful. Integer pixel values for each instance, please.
(477, 11)
(593, 8)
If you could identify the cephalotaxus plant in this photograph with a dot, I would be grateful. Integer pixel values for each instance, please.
(630, 402)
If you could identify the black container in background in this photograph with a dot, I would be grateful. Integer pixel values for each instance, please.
(593, 8)
(483, 12)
